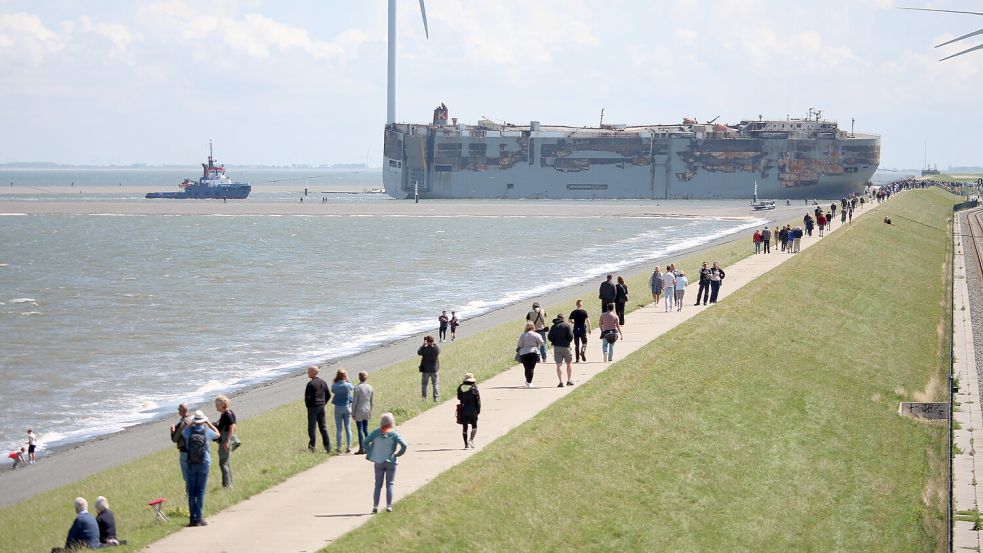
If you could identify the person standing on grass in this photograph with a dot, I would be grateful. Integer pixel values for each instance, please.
(717, 276)
(756, 239)
(537, 316)
(454, 323)
(316, 396)
(32, 445)
(442, 330)
(198, 436)
(766, 239)
(429, 354)
(561, 335)
(362, 409)
(527, 348)
(227, 432)
(177, 436)
(655, 284)
(668, 287)
(381, 448)
(470, 399)
(681, 282)
(342, 401)
(703, 292)
(581, 329)
(611, 330)
(607, 293)
(620, 299)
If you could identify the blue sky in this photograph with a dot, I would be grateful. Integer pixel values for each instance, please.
(304, 81)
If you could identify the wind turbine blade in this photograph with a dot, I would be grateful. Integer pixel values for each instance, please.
(944, 11)
(423, 12)
(974, 33)
(977, 47)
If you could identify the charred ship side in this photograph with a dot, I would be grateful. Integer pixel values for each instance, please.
(793, 159)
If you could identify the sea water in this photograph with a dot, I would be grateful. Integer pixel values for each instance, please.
(107, 321)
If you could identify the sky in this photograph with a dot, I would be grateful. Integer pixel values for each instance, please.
(304, 81)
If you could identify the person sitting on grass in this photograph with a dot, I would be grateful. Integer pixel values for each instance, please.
(84, 533)
(107, 524)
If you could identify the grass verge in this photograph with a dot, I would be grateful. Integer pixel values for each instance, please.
(765, 424)
(41, 522)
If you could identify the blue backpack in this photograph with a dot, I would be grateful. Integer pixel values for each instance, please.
(197, 446)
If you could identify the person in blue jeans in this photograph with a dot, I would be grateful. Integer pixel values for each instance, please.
(197, 438)
(381, 447)
(341, 390)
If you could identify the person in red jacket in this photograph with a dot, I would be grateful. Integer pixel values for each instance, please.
(757, 241)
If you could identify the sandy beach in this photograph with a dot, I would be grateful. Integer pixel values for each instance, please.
(71, 463)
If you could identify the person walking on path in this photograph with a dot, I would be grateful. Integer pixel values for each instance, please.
(581, 329)
(717, 276)
(620, 299)
(655, 284)
(177, 436)
(527, 348)
(668, 287)
(607, 293)
(380, 449)
(821, 223)
(808, 223)
(832, 209)
(429, 354)
(681, 282)
(703, 292)
(454, 323)
(756, 238)
(362, 409)
(537, 316)
(843, 216)
(227, 438)
(851, 215)
(32, 446)
(316, 396)
(561, 335)
(198, 436)
(796, 239)
(342, 401)
(783, 237)
(766, 239)
(470, 399)
(442, 330)
(611, 330)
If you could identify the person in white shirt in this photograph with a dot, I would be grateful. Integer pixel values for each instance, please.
(32, 444)
(681, 282)
(669, 287)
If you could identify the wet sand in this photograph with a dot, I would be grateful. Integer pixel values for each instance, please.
(71, 463)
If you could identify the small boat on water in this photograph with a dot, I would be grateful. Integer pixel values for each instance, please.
(213, 184)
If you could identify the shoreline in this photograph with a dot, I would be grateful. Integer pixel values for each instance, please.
(73, 461)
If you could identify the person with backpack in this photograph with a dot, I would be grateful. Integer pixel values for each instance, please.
(470, 399)
(381, 447)
(197, 438)
(537, 316)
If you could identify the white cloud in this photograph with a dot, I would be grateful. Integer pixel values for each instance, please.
(23, 37)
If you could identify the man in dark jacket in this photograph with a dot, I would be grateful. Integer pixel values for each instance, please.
(766, 238)
(84, 533)
(607, 294)
(316, 394)
(429, 365)
(177, 436)
(560, 335)
(704, 290)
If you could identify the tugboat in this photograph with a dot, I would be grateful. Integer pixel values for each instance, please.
(213, 184)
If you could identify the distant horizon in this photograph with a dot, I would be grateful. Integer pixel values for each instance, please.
(42, 165)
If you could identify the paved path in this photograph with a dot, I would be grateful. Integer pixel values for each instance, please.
(308, 511)
(966, 466)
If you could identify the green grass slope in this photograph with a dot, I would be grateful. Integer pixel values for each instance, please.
(767, 423)
(41, 522)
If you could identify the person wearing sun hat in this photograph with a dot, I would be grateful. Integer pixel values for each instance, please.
(198, 437)
(470, 399)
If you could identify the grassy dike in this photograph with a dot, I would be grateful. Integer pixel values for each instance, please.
(767, 423)
(41, 522)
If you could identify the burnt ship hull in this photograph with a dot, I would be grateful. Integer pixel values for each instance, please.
(647, 162)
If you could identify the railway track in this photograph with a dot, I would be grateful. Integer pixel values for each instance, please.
(974, 233)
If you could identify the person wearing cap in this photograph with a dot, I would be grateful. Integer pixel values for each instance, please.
(177, 436)
(537, 316)
(561, 335)
(198, 471)
(470, 399)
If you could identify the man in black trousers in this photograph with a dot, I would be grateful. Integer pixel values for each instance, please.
(704, 290)
(607, 293)
(315, 396)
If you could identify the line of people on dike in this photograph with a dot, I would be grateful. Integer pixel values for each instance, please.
(671, 285)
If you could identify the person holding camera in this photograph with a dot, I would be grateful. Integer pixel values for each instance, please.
(429, 354)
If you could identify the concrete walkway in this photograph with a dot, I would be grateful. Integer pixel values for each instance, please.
(310, 510)
(966, 466)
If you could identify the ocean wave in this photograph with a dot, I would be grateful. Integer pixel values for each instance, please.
(30, 313)
(23, 300)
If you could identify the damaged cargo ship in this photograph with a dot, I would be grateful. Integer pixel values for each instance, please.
(790, 159)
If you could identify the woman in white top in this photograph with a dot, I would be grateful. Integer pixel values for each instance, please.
(681, 282)
(528, 350)
(669, 287)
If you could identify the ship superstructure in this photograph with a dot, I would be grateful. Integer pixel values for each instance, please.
(213, 184)
(793, 158)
